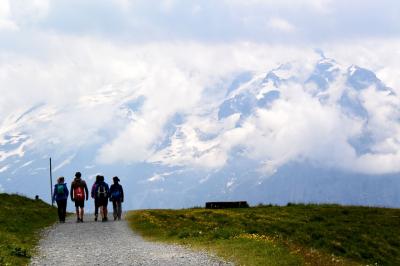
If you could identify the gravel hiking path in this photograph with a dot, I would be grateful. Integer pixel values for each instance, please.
(110, 243)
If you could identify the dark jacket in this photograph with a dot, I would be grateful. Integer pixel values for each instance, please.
(78, 182)
(116, 188)
(57, 195)
(97, 185)
(93, 192)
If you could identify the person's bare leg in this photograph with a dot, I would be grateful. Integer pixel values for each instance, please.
(77, 213)
(102, 212)
(82, 212)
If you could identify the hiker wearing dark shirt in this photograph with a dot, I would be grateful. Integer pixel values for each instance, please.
(93, 194)
(101, 194)
(79, 192)
(117, 197)
(60, 195)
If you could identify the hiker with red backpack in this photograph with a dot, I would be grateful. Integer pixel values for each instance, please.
(60, 195)
(117, 197)
(79, 192)
(102, 193)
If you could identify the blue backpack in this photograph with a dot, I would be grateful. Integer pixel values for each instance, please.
(116, 194)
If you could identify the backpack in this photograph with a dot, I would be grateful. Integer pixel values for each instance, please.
(79, 193)
(101, 191)
(60, 190)
(116, 194)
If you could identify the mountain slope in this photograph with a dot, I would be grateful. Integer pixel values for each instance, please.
(296, 133)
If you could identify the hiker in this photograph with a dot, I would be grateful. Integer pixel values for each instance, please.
(79, 192)
(117, 197)
(60, 195)
(93, 194)
(102, 193)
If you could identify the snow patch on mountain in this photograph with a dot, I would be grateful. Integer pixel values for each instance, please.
(264, 128)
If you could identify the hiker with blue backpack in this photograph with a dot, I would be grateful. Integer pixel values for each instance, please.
(79, 191)
(60, 195)
(102, 193)
(117, 197)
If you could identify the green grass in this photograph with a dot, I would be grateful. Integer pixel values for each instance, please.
(21, 219)
(272, 235)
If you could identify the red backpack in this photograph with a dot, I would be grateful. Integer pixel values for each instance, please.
(79, 193)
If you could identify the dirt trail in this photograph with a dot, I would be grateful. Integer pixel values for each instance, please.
(110, 243)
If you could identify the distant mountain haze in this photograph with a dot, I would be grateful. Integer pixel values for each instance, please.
(322, 133)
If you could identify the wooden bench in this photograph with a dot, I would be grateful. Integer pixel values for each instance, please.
(226, 204)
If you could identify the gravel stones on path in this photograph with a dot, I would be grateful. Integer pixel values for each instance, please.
(110, 243)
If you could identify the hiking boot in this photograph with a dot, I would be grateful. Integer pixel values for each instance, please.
(95, 219)
(81, 220)
(115, 218)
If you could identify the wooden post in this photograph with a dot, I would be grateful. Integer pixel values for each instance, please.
(51, 185)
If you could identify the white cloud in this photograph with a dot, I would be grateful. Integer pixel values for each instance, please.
(5, 16)
(280, 24)
(297, 127)
(207, 20)
(29, 11)
(99, 78)
(156, 178)
(317, 5)
(17, 13)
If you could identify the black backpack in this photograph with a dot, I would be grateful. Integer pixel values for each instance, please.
(101, 191)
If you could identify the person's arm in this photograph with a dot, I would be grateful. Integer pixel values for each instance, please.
(66, 191)
(111, 191)
(72, 192)
(122, 193)
(87, 192)
(92, 192)
(108, 190)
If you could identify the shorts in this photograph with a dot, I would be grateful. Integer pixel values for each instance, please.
(102, 202)
(79, 203)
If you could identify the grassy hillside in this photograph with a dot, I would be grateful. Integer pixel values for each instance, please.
(291, 235)
(20, 221)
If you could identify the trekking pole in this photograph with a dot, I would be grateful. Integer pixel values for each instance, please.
(51, 185)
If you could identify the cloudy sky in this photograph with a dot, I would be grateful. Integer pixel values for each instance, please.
(78, 62)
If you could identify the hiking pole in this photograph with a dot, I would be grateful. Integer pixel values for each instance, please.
(51, 185)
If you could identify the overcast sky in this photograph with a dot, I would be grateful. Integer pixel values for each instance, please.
(175, 53)
(207, 20)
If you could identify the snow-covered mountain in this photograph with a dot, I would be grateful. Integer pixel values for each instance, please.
(320, 133)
